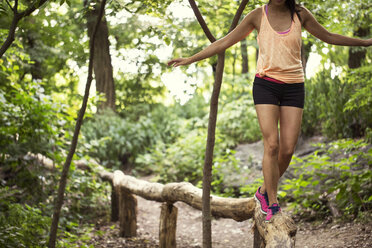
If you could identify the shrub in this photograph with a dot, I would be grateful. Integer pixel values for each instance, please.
(341, 167)
(22, 226)
(116, 141)
(339, 105)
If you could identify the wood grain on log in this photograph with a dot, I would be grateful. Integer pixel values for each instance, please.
(279, 232)
(168, 226)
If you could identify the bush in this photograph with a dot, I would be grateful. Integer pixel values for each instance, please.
(22, 226)
(237, 120)
(184, 160)
(116, 141)
(339, 106)
(341, 167)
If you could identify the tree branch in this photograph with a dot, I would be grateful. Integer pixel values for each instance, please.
(66, 166)
(201, 21)
(238, 14)
(15, 8)
(9, 5)
(32, 8)
(16, 18)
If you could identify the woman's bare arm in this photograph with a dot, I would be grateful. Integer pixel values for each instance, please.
(313, 27)
(239, 33)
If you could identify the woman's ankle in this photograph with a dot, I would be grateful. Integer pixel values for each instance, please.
(262, 191)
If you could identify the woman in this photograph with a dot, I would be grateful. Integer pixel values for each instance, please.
(278, 88)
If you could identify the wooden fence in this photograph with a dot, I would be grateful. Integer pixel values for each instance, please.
(280, 232)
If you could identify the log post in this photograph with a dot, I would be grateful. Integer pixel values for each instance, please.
(279, 232)
(258, 241)
(127, 213)
(114, 203)
(168, 226)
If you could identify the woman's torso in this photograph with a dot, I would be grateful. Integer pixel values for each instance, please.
(279, 40)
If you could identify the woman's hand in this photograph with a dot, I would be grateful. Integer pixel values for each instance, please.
(179, 61)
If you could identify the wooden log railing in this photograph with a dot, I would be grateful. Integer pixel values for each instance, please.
(280, 232)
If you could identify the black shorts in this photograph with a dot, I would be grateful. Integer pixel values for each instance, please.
(267, 92)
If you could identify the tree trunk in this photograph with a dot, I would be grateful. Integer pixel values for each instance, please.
(358, 54)
(207, 171)
(244, 51)
(62, 183)
(103, 71)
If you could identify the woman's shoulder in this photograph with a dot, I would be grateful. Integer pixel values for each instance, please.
(256, 16)
(303, 12)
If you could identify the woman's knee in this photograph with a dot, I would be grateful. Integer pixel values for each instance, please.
(271, 147)
(286, 151)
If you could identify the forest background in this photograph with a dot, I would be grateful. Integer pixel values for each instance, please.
(147, 119)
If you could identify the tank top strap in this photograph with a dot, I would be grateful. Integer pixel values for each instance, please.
(263, 24)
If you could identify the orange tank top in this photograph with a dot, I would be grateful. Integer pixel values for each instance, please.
(280, 54)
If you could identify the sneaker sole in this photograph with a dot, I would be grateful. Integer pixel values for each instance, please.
(260, 204)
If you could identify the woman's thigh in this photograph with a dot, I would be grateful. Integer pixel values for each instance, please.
(268, 116)
(290, 127)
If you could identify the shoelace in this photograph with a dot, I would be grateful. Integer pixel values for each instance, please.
(274, 208)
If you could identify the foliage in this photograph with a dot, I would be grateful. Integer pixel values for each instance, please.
(116, 141)
(23, 226)
(339, 105)
(183, 160)
(237, 116)
(342, 168)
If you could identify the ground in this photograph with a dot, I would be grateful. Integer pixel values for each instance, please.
(227, 233)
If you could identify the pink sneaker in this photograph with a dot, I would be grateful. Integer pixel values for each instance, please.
(274, 209)
(263, 200)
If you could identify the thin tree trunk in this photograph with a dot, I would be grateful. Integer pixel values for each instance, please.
(16, 18)
(234, 62)
(207, 171)
(62, 183)
(244, 51)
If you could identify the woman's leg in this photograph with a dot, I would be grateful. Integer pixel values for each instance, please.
(290, 127)
(268, 116)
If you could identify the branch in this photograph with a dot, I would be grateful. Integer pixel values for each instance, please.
(32, 8)
(16, 18)
(201, 21)
(15, 8)
(9, 5)
(238, 14)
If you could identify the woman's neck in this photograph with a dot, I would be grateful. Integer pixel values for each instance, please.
(277, 7)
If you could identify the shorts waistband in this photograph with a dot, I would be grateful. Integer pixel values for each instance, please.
(270, 79)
